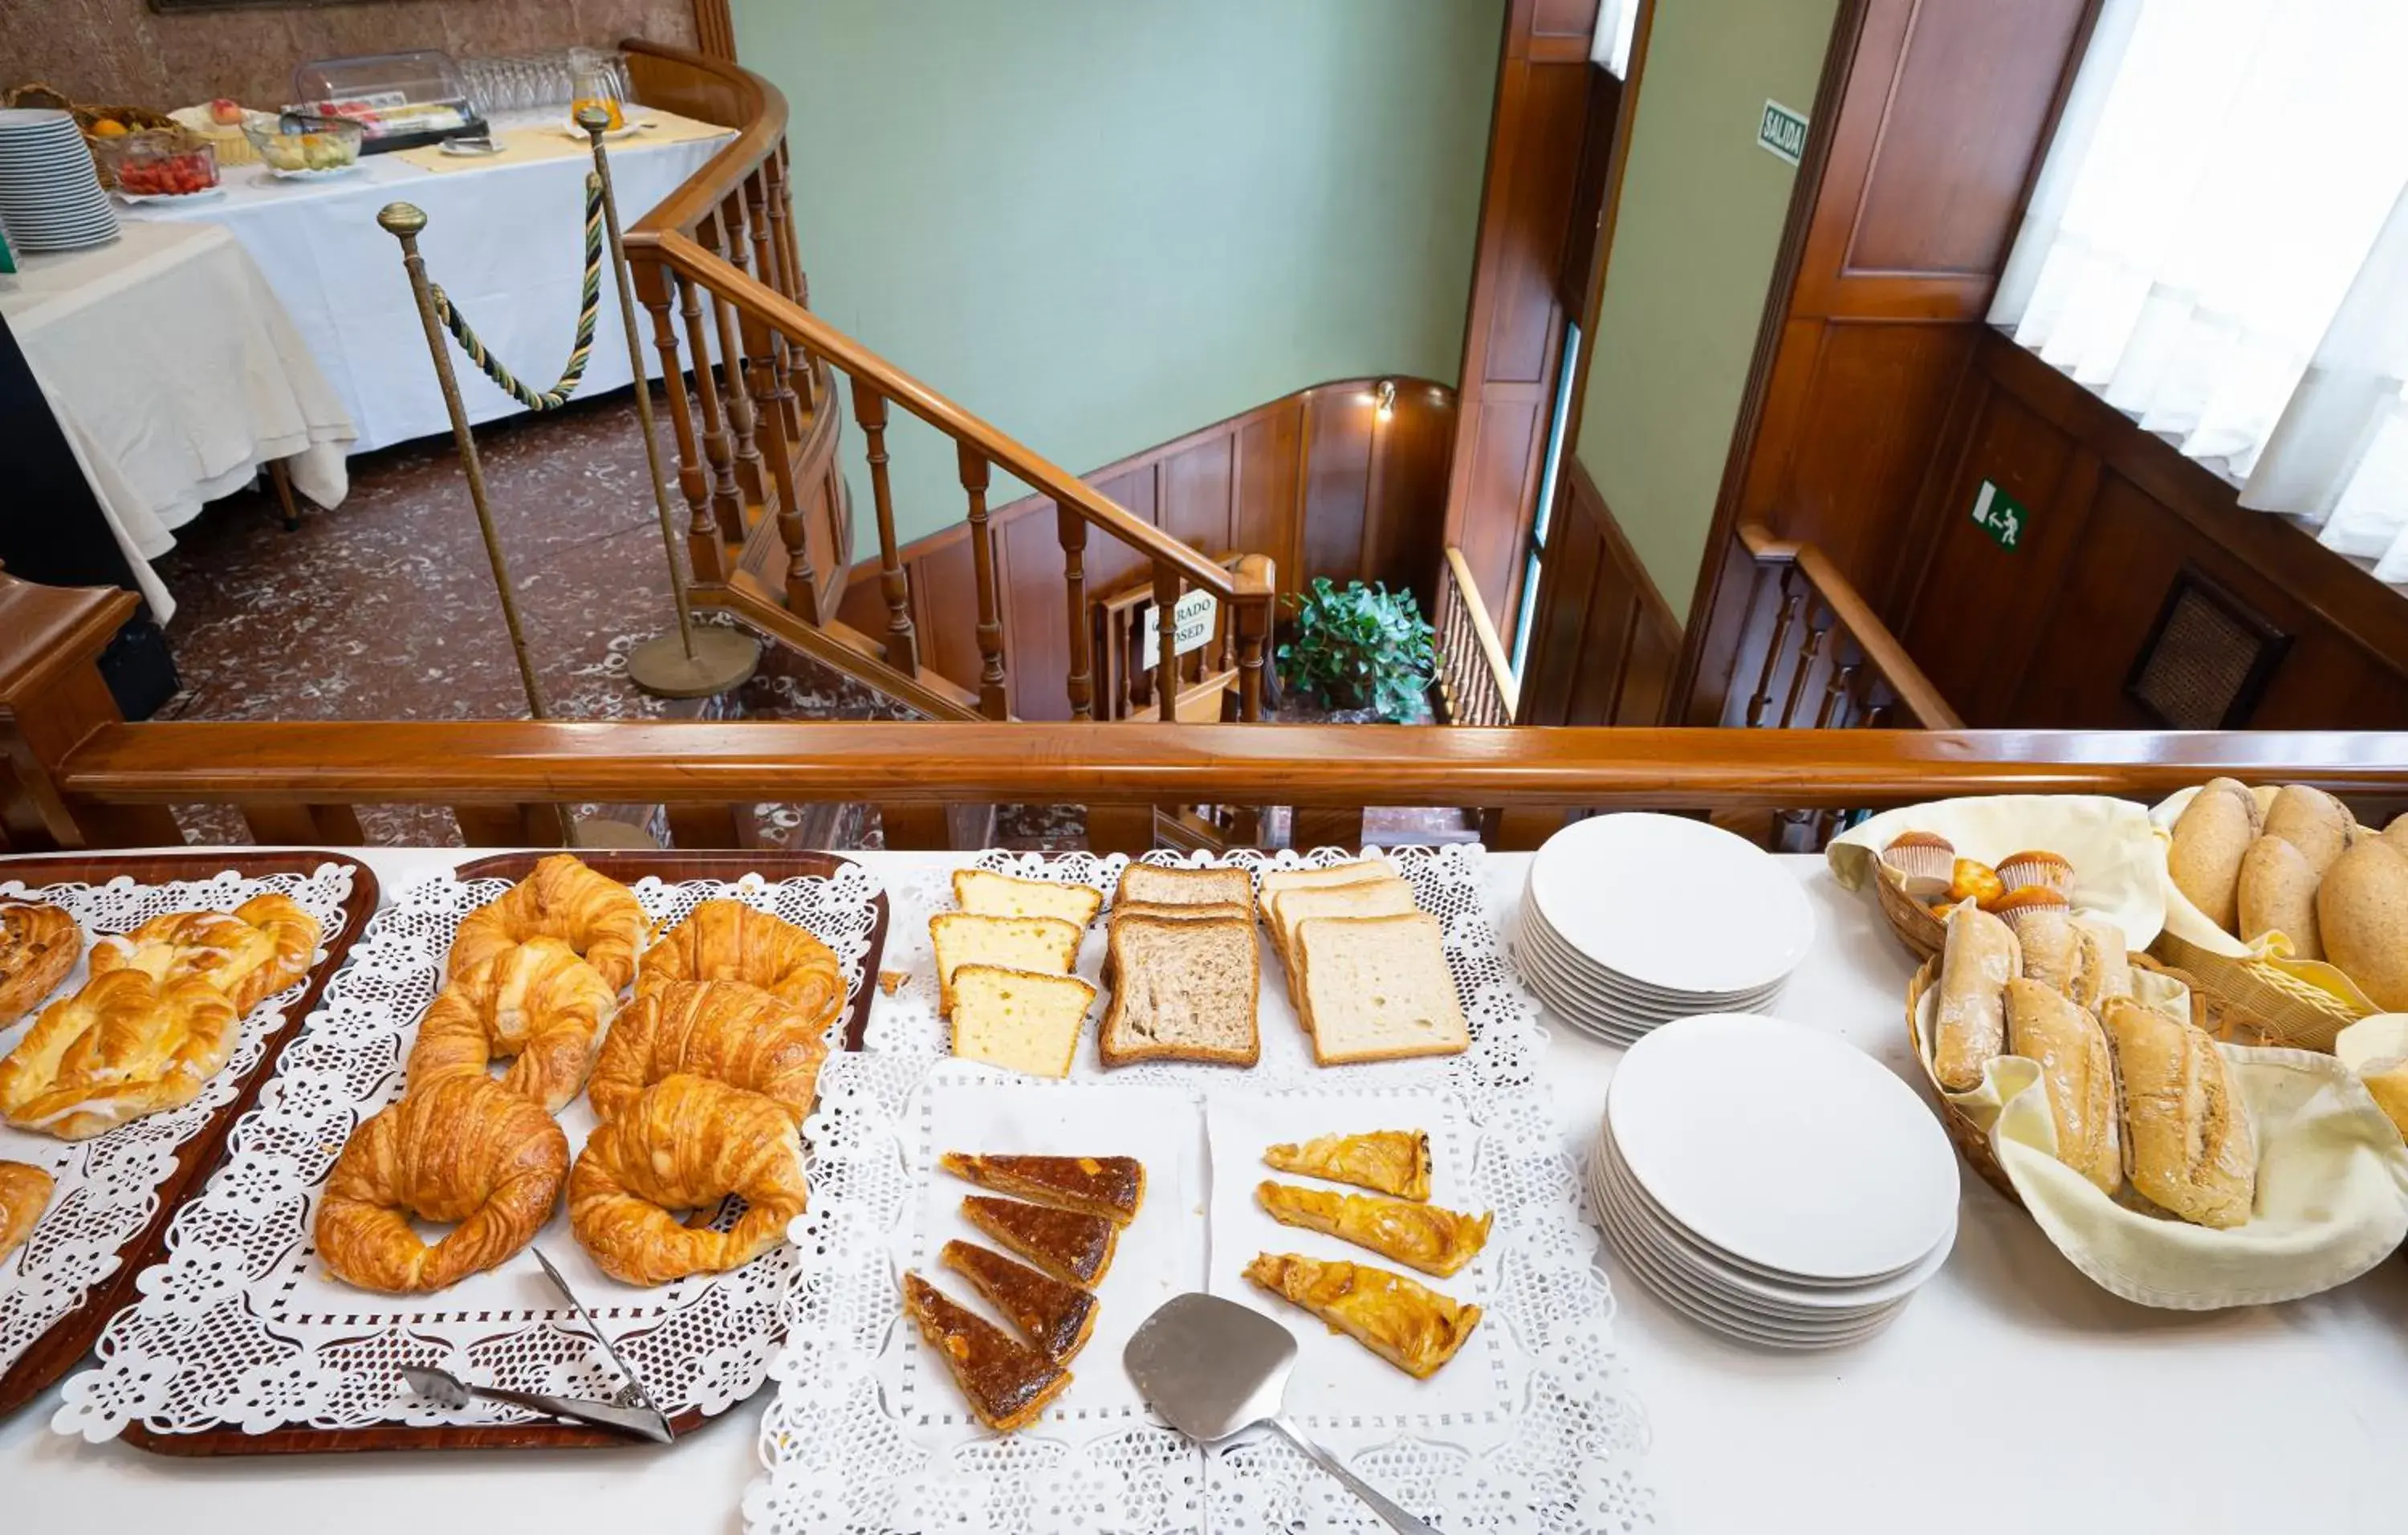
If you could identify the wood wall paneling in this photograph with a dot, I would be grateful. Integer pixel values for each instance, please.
(1603, 642)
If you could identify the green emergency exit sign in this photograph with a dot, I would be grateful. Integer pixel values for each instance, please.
(1781, 133)
(2001, 516)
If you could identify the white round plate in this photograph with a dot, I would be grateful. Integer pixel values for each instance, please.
(324, 172)
(201, 197)
(1577, 965)
(1672, 903)
(1783, 1145)
(627, 130)
(1535, 964)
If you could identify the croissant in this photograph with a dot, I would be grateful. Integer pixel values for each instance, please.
(463, 1149)
(592, 914)
(24, 1194)
(686, 1143)
(728, 941)
(124, 1045)
(536, 1001)
(250, 954)
(38, 946)
(723, 1030)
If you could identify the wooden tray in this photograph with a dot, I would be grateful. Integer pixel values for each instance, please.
(71, 1337)
(670, 867)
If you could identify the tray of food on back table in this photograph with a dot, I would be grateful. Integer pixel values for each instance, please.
(604, 1063)
(1307, 1084)
(144, 999)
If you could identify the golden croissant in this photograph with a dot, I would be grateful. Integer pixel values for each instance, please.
(537, 1001)
(466, 1149)
(592, 914)
(250, 954)
(728, 941)
(124, 1045)
(24, 1194)
(723, 1030)
(686, 1143)
(38, 946)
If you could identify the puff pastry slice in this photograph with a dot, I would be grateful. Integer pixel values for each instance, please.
(1394, 1162)
(1402, 1320)
(1430, 1237)
(1109, 1186)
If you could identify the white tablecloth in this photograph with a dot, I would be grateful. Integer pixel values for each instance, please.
(175, 374)
(506, 242)
(2012, 1396)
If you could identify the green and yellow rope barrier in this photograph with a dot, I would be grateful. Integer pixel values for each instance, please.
(493, 368)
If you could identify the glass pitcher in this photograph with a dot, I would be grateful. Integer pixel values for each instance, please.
(594, 83)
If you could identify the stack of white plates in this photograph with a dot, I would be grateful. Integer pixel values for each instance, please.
(51, 197)
(1632, 921)
(1772, 1182)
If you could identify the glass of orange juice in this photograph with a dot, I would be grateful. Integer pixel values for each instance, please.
(596, 84)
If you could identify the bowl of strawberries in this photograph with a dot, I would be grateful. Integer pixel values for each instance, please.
(159, 163)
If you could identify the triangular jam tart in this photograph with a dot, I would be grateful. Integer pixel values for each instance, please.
(1007, 1382)
(1055, 1316)
(1069, 1244)
(1109, 1186)
(1394, 1162)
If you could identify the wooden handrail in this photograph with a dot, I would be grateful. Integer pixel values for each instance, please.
(760, 112)
(692, 762)
(1492, 650)
(1881, 648)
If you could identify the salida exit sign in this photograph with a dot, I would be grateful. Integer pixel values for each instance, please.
(1781, 133)
(2001, 516)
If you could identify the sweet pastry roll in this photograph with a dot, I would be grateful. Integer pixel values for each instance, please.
(1007, 1383)
(2187, 1142)
(1055, 1316)
(728, 941)
(1110, 1186)
(536, 1001)
(562, 898)
(686, 1143)
(1394, 1162)
(724, 1030)
(39, 945)
(24, 1194)
(248, 953)
(122, 1046)
(464, 1149)
(1402, 1320)
(1971, 880)
(1427, 1236)
(2078, 1073)
(1071, 1245)
(1978, 959)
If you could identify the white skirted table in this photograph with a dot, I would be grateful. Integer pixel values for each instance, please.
(176, 375)
(2012, 1391)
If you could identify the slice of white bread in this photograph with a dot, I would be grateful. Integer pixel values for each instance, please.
(1378, 989)
(1278, 881)
(1045, 945)
(1183, 991)
(987, 893)
(1019, 1020)
(1185, 886)
(1388, 897)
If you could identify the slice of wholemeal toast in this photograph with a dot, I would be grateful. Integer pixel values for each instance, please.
(1377, 989)
(1185, 886)
(1183, 991)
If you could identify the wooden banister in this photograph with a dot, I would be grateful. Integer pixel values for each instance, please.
(1882, 650)
(1475, 676)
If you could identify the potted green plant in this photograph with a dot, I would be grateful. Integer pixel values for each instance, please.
(1357, 647)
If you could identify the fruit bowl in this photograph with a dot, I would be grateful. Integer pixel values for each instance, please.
(158, 162)
(297, 146)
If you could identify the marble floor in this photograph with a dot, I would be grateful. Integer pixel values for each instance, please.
(383, 608)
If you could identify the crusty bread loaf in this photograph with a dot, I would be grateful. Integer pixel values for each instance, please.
(2213, 833)
(1019, 1020)
(1043, 945)
(2313, 822)
(2277, 893)
(2187, 1142)
(1185, 886)
(2051, 948)
(2106, 968)
(987, 893)
(2078, 1074)
(1970, 1024)
(1378, 989)
(1183, 991)
(2362, 918)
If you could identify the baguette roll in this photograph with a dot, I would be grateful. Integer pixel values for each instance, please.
(1978, 960)
(2187, 1140)
(2051, 945)
(2078, 1073)
(2106, 968)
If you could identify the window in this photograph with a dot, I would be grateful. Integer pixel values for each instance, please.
(1558, 417)
(2218, 246)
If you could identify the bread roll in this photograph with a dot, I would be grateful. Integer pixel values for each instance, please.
(2215, 830)
(1980, 958)
(2051, 948)
(2397, 833)
(2261, 801)
(2078, 1074)
(2312, 821)
(2277, 893)
(2106, 969)
(2187, 1135)
(2362, 917)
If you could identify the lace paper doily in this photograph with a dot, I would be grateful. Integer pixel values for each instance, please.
(107, 1187)
(222, 1333)
(838, 1457)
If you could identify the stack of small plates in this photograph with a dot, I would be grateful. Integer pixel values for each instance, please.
(1772, 1182)
(49, 194)
(1632, 921)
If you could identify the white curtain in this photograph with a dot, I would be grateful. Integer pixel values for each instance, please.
(2218, 246)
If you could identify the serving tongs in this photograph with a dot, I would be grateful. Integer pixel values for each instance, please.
(632, 1412)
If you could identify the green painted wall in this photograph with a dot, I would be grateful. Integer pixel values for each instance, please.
(1693, 246)
(1102, 224)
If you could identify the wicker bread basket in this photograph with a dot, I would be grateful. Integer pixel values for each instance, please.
(1914, 923)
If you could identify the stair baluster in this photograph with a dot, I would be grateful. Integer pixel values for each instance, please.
(770, 378)
(1072, 529)
(1166, 655)
(704, 550)
(1251, 620)
(718, 444)
(741, 363)
(902, 643)
(991, 696)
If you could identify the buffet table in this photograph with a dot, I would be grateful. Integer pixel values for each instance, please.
(176, 375)
(2012, 1392)
(502, 238)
